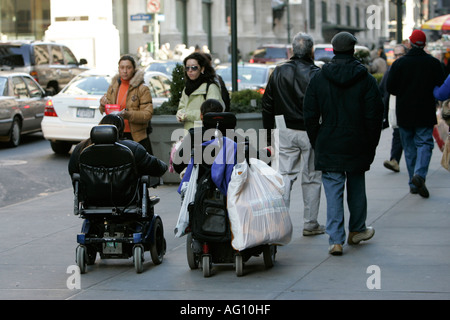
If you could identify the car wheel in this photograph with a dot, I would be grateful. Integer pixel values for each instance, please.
(60, 147)
(14, 134)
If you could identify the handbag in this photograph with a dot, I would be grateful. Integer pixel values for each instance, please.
(256, 209)
(445, 161)
(445, 111)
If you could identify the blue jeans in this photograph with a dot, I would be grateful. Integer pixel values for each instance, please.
(333, 185)
(418, 146)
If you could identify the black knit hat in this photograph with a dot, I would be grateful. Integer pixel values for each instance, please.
(343, 42)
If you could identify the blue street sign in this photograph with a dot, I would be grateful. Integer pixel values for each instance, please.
(140, 17)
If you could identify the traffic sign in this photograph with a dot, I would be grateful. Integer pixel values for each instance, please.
(140, 17)
(153, 6)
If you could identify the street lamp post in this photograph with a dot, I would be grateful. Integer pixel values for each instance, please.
(234, 47)
(399, 22)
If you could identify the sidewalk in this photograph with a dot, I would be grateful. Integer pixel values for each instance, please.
(410, 251)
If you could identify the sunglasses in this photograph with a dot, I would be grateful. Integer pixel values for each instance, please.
(193, 68)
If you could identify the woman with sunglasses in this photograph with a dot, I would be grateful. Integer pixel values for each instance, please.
(201, 84)
(129, 92)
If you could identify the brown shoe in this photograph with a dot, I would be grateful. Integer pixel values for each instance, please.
(335, 249)
(357, 237)
(392, 165)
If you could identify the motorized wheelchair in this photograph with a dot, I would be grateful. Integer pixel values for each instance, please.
(209, 235)
(119, 219)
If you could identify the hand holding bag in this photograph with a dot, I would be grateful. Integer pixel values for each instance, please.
(256, 209)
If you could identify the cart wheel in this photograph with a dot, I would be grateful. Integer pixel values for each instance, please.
(158, 246)
(239, 265)
(269, 252)
(138, 258)
(206, 265)
(81, 258)
(192, 257)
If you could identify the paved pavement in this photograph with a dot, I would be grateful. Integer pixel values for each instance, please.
(408, 258)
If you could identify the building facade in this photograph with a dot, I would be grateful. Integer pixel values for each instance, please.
(207, 22)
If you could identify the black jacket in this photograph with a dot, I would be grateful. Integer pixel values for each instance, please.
(285, 92)
(343, 114)
(412, 80)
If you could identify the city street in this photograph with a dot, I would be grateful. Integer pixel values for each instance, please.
(407, 259)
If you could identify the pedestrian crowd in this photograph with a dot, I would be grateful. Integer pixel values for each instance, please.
(329, 121)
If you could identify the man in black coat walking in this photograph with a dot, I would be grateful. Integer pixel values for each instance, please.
(343, 113)
(412, 80)
(284, 97)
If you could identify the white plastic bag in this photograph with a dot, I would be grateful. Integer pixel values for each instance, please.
(392, 117)
(183, 217)
(256, 209)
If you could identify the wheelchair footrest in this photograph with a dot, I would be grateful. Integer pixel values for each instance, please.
(136, 238)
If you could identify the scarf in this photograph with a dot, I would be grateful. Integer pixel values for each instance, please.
(192, 85)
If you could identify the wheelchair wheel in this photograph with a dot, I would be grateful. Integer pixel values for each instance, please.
(192, 258)
(269, 252)
(138, 258)
(91, 255)
(81, 258)
(158, 245)
(239, 265)
(206, 265)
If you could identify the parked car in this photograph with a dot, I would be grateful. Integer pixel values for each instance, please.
(51, 64)
(22, 105)
(250, 75)
(324, 52)
(75, 109)
(164, 66)
(272, 53)
(159, 84)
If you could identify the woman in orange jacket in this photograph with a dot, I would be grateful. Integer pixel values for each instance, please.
(129, 92)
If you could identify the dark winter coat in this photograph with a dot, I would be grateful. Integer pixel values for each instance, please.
(343, 113)
(412, 79)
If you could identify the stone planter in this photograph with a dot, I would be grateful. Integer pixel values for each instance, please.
(165, 125)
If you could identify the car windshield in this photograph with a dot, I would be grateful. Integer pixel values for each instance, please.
(88, 85)
(13, 56)
(3, 86)
(246, 75)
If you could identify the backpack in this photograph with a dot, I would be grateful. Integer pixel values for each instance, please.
(223, 91)
(208, 215)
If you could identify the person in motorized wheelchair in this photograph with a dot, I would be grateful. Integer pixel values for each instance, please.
(208, 228)
(111, 177)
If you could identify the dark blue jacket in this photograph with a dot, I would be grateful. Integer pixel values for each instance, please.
(343, 114)
(443, 92)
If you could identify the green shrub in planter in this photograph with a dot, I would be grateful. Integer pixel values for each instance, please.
(246, 101)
